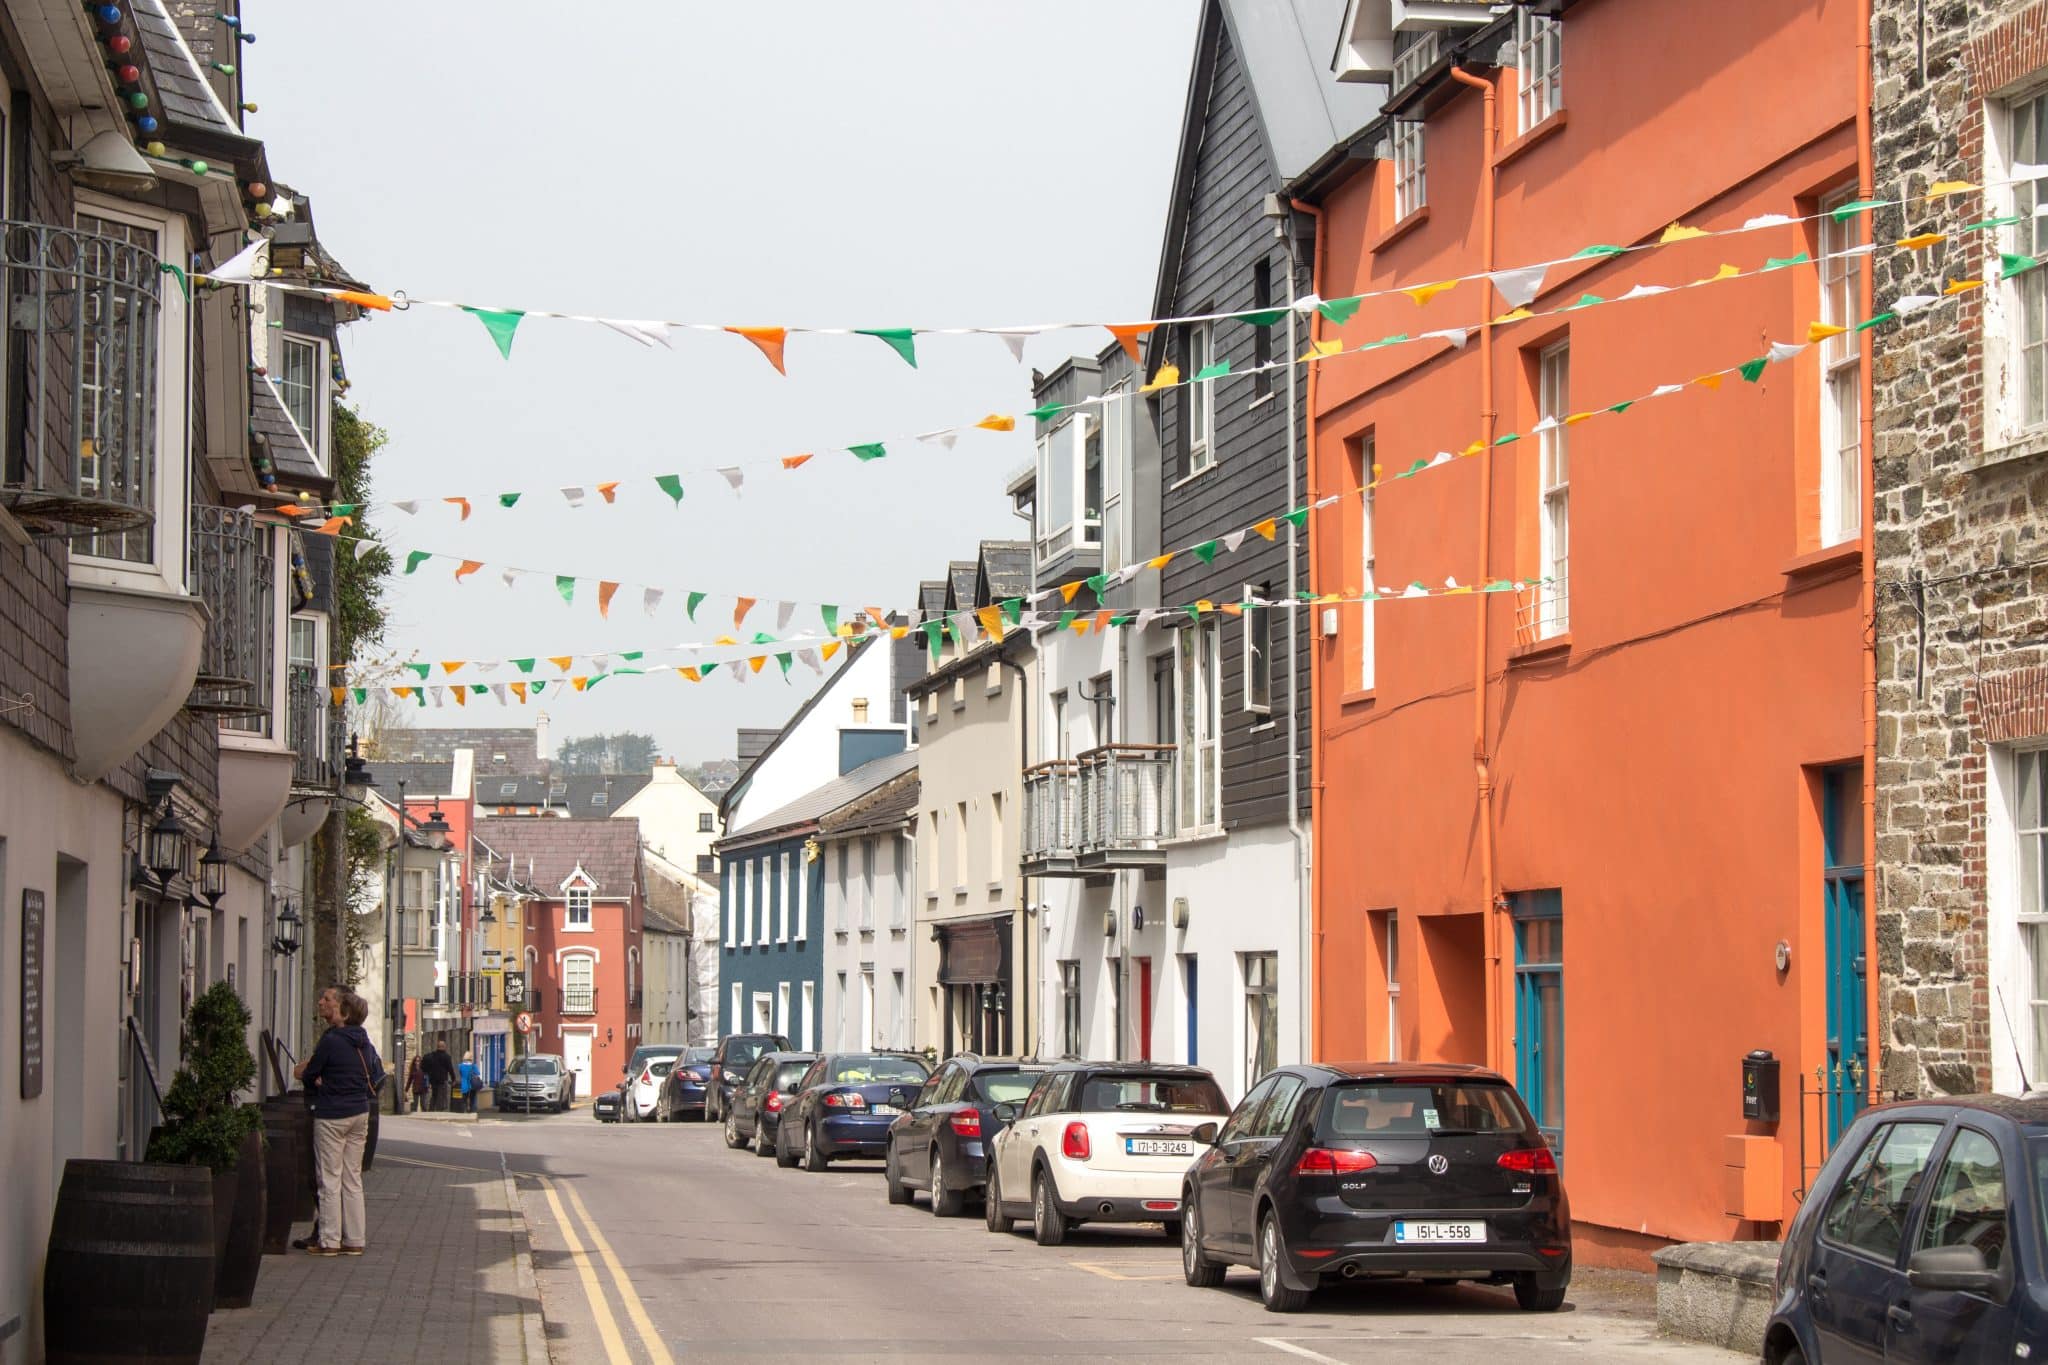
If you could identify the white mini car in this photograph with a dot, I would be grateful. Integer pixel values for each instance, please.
(1101, 1142)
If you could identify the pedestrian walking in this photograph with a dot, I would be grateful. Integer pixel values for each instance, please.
(416, 1084)
(472, 1081)
(440, 1069)
(343, 1073)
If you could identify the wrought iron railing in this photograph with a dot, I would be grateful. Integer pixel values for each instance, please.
(233, 572)
(579, 1000)
(313, 729)
(1543, 607)
(88, 310)
(1051, 801)
(1126, 797)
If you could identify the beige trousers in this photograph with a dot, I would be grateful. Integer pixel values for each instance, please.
(339, 1144)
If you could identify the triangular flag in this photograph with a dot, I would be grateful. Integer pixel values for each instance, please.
(1319, 350)
(415, 558)
(783, 612)
(1340, 311)
(573, 495)
(508, 500)
(1068, 589)
(1215, 371)
(361, 694)
(519, 690)
(1942, 189)
(1850, 210)
(468, 567)
(246, 266)
(1013, 609)
(461, 697)
(1298, 517)
(741, 606)
(783, 661)
(691, 673)
(830, 615)
(871, 450)
(498, 690)
(1644, 291)
(364, 546)
(1423, 293)
(2010, 265)
(1165, 378)
(996, 421)
(1780, 262)
(408, 506)
(646, 333)
(756, 661)
(1519, 287)
(810, 660)
(1457, 336)
(609, 491)
(901, 340)
(511, 576)
(501, 323)
(769, 339)
(604, 598)
(991, 619)
(1598, 249)
(1921, 241)
(828, 649)
(671, 484)
(1752, 370)
(947, 438)
(462, 503)
(1962, 286)
(1679, 233)
(1160, 561)
(1127, 335)
(331, 527)
(1049, 411)
(1233, 540)
(523, 665)
(1782, 351)
(1206, 552)
(734, 476)
(1268, 528)
(579, 683)
(1015, 341)
(1264, 317)
(693, 601)
(795, 461)
(338, 695)
(1709, 381)
(565, 584)
(421, 669)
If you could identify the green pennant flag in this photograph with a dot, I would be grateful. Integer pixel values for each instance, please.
(1046, 413)
(671, 484)
(1597, 249)
(1340, 311)
(1780, 262)
(478, 689)
(593, 680)
(872, 450)
(785, 660)
(1622, 407)
(1122, 619)
(565, 584)
(343, 509)
(1206, 552)
(1989, 223)
(695, 600)
(626, 672)
(1499, 585)
(500, 323)
(361, 694)
(831, 619)
(901, 340)
(1013, 609)
(416, 558)
(1394, 340)
(1215, 371)
(540, 686)
(762, 637)
(934, 631)
(421, 669)
(523, 665)
(1877, 321)
(177, 273)
(1265, 317)
(508, 499)
(1298, 518)
(1508, 439)
(1096, 583)
(1194, 612)
(633, 654)
(1753, 370)
(704, 670)
(1067, 619)
(2010, 265)
(1412, 470)
(1850, 210)
(1587, 301)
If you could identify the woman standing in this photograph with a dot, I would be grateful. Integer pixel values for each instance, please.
(471, 1082)
(343, 1074)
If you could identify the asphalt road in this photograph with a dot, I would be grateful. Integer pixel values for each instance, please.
(654, 1242)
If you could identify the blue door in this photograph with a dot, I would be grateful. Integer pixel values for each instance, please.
(1539, 1009)
(1190, 978)
(1848, 1044)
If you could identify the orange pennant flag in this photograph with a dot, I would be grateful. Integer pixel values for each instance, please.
(1578, 417)
(1962, 286)
(1081, 624)
(463, 503)
(741, 606)
(1231, 608)
(604, 598)
(339, 695)
(795, 461)
(1102, 620)
(468, 567)
(1943, 188)
(562, 661)
(462, 696)
(991, 619)
(1268, 528)
(332, 526)
(579, 683)
(1067, 590)
(1318, 350)
(880, 617)
(402, 693)
(995, 421)
(769, 339)
(756, 662)
(725, 640)
(1127, 337)
(1161, 561)
(1168, 375)
(609, 491)
(828, 649)
(1205, 605)
(898, 632)
(1821, 331)
(1922, 240)
(519, 690)
(1709, 381)
(1423, 293)
(381, 303)
(450, 665)
(1513, 315)
(290, 511)
(690, 672)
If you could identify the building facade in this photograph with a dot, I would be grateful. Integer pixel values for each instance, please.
(868, 852)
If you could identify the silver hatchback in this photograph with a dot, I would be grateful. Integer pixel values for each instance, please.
(539, 1080)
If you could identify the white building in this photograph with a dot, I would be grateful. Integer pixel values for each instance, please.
(869, 855)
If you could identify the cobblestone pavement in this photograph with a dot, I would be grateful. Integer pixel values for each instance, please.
(448, 1276)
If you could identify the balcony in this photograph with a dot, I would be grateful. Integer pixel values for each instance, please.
(1126, 806)
(1051, 811)
(234, 573)
(314, 732)
(1543, 609)
(467, 990)
(579, 1000)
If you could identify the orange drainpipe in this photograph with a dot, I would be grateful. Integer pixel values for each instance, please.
(1866, 182)
(1496, 1007)
(1315, 721)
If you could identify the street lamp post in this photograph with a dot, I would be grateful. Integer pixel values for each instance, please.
(394, 1035)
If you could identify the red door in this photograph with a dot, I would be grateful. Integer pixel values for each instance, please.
(1144, 1009)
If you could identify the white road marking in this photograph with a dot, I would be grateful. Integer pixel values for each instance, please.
(1282, 1344)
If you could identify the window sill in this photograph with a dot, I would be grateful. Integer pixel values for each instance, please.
(839, 934)
(959, 893)
(995, 888)
(931, 898)
(1816, 562)
(1399, 230)
(1554, 647)
(1264, 722)
(1542, 132)
(1364, 697)
(959, 706)
(1187, 838)
(1184, 480)
(2024, 448)
(1258, 402)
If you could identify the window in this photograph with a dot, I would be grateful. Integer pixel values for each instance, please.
(1841, 511)
(845, 889)
(1201, 398)
(1261, 1014)
(900, 870)
(741, 906)
(739, 1022)
(810, 1038)
(1200, 747)
(1553, 370)
(1277, 1113)
(2028, 142)
(1391, 934)
(1539, 67)
(960, 845)
(1070, 1008)
(705, 867)
(704, 822)
(1258, 652)
(781, 893)
(897, 997)
(763, 896)
(1246, 1116)
(800, 892)
(1539, 1008)
(579, 984)
(1414, 53)
(1101, 697)
(1262, 337)
(1191, 993)
(2017, 886)
(1968, 1208)
(301, 380)
(1162, 699)
(579, 908)
(867, 886)
(411, 902)
(508, 789)
(782, 1008)
(840, 996)
(1058, 702)
(600, 798)
(1868, 1211)
(1363, 453)
(1091, 480)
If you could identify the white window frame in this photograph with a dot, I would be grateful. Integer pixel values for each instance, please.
(2007, 304)
(802, 896)
(739, 1008)
(1199, 748)
(763, 901)
(1539, 67)
(588, 962)
(2016, 931)
(781, 898)
(1841, 449)
(742, 907)
(1368, 515)
(165, 572)
(998, 857)
(1553, 477)
(844, 879)
(1393, 959)
(1202, 401)
(867, 885)
(809, 1042)
(905, 859)
(316, 439)
(1254, 619)
(1063, 523)
(782, 1008)
(579, 895)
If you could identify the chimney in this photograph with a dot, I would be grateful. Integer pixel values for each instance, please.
(541, 747)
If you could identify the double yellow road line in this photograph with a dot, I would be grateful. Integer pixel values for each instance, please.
(593, 1287)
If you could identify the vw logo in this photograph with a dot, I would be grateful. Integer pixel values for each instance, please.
(1438, 1164)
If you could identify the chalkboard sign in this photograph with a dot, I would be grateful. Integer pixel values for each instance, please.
(31, 994)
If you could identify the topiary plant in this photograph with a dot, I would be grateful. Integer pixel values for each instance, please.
(204, 1123)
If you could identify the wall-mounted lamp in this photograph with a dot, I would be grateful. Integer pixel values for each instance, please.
(213, 874)
(108, 161)
(286, 943)
(1137, 919)
(167, 851)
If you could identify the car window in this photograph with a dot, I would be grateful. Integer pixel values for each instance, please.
(1968, 1206)
(1003, 1087)
(789, 1075)
(1869, 1210)
(811, 1074)
(1375, 1109)
(935, 1089)
(532, 1066)
(859, 1069)
(662, 1067)
(699, 1054)
(1247, 1112)
(1158, 1094)
(740, 1051)
(1036, 1103)
(1278, 1111)
(759, 1071)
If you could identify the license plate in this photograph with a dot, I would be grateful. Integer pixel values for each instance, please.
(1158, 1147)
(883, 1109)
(1440, 1232)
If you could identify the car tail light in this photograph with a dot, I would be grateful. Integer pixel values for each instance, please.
(846, 1099)
(1529, 1161)
(773, 1104)
(1161, 1205)
(1074, 1142)
(967, 1124)
(1333, 1161)
(647, 1078)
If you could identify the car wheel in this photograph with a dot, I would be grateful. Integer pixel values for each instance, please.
(1048, 1224)
(1273, 1291)
(946, 1203)
(892, 1180)
(1196, 1268)
(1534, 1296)
(761, 1143)
(662, 1113)
(732, 1131)
(992, 1202)
(784, 1157)
(814, 1155)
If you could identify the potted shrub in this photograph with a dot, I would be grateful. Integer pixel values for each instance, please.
(206, 1124)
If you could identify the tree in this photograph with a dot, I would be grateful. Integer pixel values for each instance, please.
(594, 755)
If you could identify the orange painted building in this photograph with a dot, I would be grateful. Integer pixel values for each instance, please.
(1603, 833)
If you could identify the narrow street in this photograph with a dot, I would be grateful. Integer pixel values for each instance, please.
(653, 1243)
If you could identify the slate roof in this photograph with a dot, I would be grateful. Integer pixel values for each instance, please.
(609, 850)
(960, 576)
(319, 555)
(890, 806)
(421, 779)
(572, 794)
(179, 79)
(931, 598)
(1006, 567)
(290, 455)
(806, 809)
(518, 746)
(789, 727)
(654, 922)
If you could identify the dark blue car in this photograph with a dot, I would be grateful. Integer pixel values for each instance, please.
(942, 1144)
(1922, 1239)
(685, 1087)
(844, 1106)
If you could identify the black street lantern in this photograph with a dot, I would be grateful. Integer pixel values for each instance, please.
(287, 941)
(486, 917)
(213, 874)
(435, 830)
(168, 850)
(356, 773)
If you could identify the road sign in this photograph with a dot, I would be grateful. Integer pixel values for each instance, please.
(524, 1022)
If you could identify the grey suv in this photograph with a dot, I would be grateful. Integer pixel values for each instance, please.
(538, 1080)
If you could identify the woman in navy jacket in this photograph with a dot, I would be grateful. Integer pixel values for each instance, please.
(343, 1073)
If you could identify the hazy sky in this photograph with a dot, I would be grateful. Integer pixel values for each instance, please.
(880, 164)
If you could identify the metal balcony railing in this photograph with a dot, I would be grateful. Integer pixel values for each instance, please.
(1051, 811)
(1126, 804)
(233, 572)
(579, 1000)
(87, 310)
(1543, 608)
(314, 730)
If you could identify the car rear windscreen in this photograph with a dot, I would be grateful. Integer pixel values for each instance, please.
(861, 1070)
(1153, 1094)
(662, 1068)
(738, 1054)
(531, 1066)
(698, 1054)
(1005, 1087)
(1394, 1109)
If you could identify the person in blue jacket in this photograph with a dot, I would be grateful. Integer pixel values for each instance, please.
(471, 1082)
(343, 1073)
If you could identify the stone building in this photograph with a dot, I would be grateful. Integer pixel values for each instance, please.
(1960, 417)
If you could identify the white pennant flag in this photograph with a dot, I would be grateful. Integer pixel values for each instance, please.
(485, 665)
(1233, 540)
(511, 577)
(438, 696)
(810, 661)
(364, 547)
(246, 266)
(1308, 303)
(1666, 390)
(1328, 500)
(783, 612)
(1913, 303)
(650, 600)
(1415, 590)
(1457, 336)
(1148, 616)
(1521, 285)
(1441, 457)
(601, 662)
(1766, 220)
(646, 333)
(1644, 291)
(2027, 170)
(409, 506)
(945, 439)
(739, 668)
(1547, 424)
(1015, 341)
(573, 495)
(734, 477)
(498, 691)
(1785, 350)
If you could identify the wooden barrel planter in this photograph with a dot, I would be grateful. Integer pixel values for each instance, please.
(370, 1140)
(130, 1269)
(281, 1162)
(240, 1252)
(292, 1109)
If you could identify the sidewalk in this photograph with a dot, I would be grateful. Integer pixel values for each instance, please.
(448, 1277)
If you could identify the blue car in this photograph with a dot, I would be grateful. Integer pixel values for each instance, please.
(684, 1088)
(844, 1105)
(1921, 1240)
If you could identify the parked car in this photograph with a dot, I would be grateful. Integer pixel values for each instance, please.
(736, 1052)
(539, 1080)
(644, 1079)
(758, 1101)
(685, 1086)
(606, 1105)
(844, 1105)
(1322, 1172)
(941, 1145)
(1104, 1142)
(1921, 1239)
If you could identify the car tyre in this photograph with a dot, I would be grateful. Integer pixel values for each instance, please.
(945, 1203)
(892, 1180)
(1048, 1224)
(1534, 1296)
(662, 1113)
(762, 1147)
(815, 1159)
(784, 1157)
(732, 1131)
(1273, 1291)
(992, 1202)
(1195, 1266)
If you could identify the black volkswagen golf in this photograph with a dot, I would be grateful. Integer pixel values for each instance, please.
(1379, 1170)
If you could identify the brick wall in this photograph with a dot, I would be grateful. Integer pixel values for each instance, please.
(1963, 655)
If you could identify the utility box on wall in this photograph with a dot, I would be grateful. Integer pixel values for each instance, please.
(1753, 1178)
(1760, 1087)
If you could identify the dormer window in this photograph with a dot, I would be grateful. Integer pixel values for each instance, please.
(600, 798)
(301, 379)
(579, 907)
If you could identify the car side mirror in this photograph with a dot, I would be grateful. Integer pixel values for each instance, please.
(1959, 1268)
(1006, 1113)
(1206, 1134)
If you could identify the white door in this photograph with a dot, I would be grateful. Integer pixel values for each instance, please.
(576, 1052)
(764, 1018)
(867, 1009)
